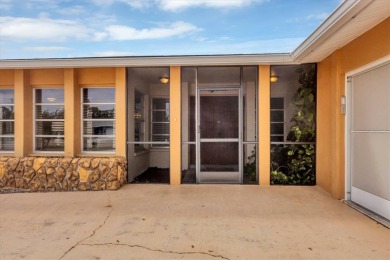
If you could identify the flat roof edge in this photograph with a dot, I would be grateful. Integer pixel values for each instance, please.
(137, 61)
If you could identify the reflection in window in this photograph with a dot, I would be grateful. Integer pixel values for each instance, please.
(7, 120)
(160, 121)
(49, 120)
(98, 119)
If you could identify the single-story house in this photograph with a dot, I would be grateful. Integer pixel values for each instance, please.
(319, 115)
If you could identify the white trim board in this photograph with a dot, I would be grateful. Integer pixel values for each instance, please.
(374, 203)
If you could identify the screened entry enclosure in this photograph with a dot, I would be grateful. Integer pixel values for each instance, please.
(293, 124)
(148, 125)
(219, 125)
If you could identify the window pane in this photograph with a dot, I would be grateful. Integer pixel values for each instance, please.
(49, 112)
(139, 131)
(6, 144)
(160, 128)
(49, 96)
(161, 103)
(49, 128)
(277, 116)
(99, 144)
(277, 138)
(99, 95)
(219, 75)
(293, 164)
(277, 128)
(7, 112)
(99, 127)
(250, 164)
(6, 96)
(54, 144)
(99, 111)
(277, 103)
(7, 128)
(160, 116)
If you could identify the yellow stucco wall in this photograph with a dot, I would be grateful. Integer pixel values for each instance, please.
(175, 125)
(47, 77)
(121, 113)
(6, 78)
(24, 80)
(372, 45)
(96, 76)
(264, 156)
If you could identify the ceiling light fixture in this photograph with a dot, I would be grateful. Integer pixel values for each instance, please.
(51, 99)
(164, 80)
(273, 78)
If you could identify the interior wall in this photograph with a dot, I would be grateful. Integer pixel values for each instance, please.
(372, 45)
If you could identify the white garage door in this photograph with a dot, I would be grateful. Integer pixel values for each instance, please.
(370, 139)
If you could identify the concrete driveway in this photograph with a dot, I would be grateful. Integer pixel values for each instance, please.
(187, 222)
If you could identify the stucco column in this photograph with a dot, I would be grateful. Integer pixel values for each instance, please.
(23, 113)
(175, 126)
(120, 109)
(264, 156)
(72, 113)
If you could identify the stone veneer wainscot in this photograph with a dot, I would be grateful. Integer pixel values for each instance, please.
(31, 174)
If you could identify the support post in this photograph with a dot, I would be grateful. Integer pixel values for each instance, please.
(175, 125)
(264, 156)
(23, 113)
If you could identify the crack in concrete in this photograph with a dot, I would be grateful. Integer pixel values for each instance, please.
(159, 250)
(92, 234)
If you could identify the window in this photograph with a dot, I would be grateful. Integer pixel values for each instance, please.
(277, 119)
(49, 120)
(160, 121)
(7, 120)
(139, 121)
(98, 112)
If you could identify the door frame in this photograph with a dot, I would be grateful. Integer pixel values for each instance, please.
(240, 134)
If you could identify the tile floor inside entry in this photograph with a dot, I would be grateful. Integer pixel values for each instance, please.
(158, 175)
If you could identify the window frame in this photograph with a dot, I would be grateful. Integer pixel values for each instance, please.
(159, 146)
(9, 120)
(96, 120)
(278, 122)
(46, 120)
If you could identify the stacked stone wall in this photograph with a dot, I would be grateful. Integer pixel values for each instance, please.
(62, 173)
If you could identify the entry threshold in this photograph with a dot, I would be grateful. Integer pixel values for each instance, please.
(385, 222)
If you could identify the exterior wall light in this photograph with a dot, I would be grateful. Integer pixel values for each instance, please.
(273, 78)
(164, 80)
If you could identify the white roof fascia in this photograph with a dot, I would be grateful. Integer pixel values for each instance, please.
(346, 11)
(148, 61)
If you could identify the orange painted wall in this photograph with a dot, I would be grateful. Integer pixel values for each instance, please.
(372, 45)
(47, 77)
(96, 76)
(6, 78)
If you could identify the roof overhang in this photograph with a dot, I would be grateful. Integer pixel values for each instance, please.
(351, 19)
(147, 61)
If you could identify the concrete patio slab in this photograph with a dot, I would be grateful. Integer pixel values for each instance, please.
(187, 222)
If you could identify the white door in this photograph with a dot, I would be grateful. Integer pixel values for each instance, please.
(369, 141)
